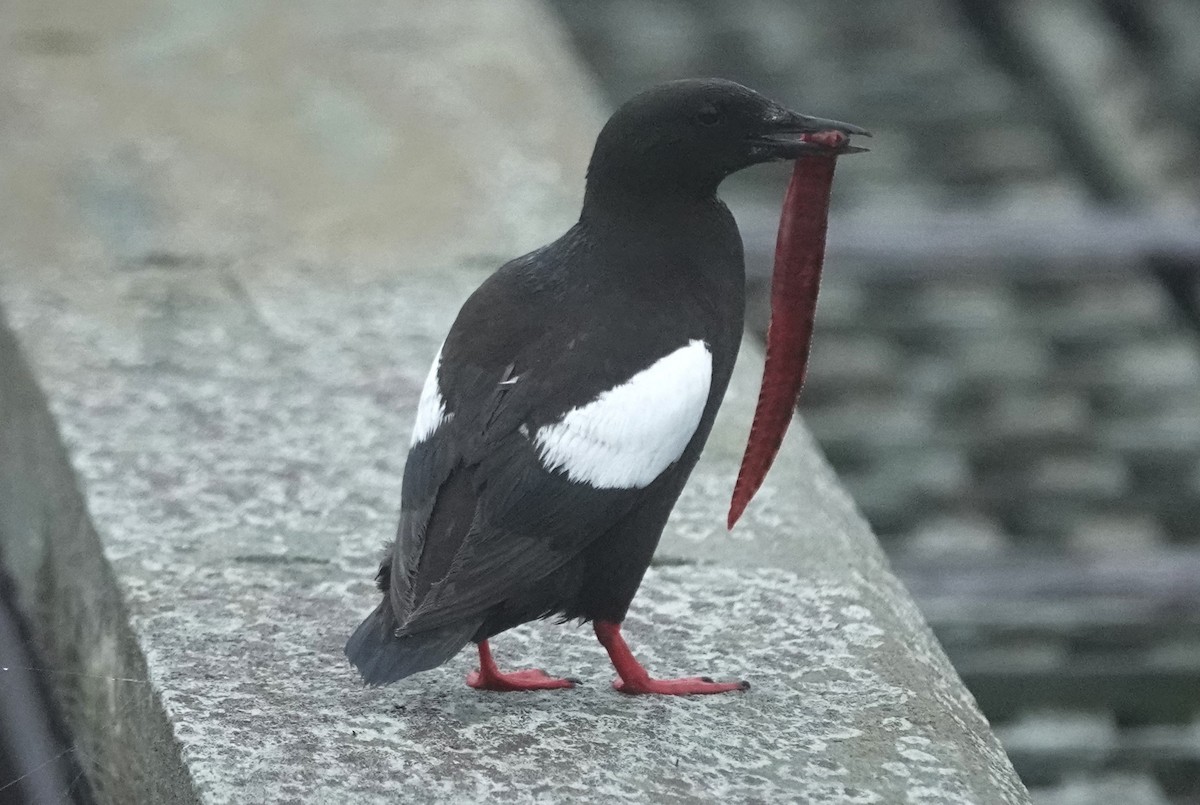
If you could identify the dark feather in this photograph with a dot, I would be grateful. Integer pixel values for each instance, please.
(382, 658)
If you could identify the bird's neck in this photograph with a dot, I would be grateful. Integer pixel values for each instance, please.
(670, 241)
(632, 211)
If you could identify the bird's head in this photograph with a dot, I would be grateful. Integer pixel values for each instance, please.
(687, 136)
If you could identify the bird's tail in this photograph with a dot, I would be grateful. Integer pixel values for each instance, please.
(383, 658)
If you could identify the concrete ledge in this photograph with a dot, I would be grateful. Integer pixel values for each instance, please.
(222, 319)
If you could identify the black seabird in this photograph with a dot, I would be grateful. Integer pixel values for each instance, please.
(574, 393)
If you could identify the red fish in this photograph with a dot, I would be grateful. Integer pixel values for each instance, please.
(799, 255)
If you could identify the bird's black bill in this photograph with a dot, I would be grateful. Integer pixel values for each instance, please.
(795, 135)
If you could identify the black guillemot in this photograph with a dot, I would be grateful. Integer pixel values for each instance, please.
(574, 393)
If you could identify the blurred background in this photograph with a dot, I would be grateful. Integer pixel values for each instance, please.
(1006, 369)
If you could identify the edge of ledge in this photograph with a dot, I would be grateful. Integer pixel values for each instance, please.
(66, 587)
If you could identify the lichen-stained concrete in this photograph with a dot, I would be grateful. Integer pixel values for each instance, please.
(231, 237)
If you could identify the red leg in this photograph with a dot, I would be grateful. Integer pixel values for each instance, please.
(488, 677)
(635, 679)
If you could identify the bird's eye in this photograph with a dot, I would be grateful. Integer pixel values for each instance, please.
(709, 115)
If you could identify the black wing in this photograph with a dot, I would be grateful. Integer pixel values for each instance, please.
(482, 518)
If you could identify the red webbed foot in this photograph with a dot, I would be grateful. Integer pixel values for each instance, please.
(532, 679)
(489, 677)
(688, 686)
(636, 681)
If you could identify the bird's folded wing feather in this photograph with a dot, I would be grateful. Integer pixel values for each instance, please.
(508, 486)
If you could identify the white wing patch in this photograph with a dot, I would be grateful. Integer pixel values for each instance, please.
(628, 435)
(431, 410)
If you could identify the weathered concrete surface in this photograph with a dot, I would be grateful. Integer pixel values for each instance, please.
(233, 235)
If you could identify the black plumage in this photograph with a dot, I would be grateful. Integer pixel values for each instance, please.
(492, 535)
